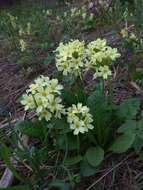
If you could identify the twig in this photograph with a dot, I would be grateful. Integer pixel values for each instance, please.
(134, 85)
(6, 179)
(109, 171)
(6, 124)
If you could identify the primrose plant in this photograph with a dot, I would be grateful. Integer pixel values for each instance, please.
(80, 120)
(132, 43)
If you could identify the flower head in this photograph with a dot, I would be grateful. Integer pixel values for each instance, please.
(79, 118)
(99, 57)
(124, 32)
(103, 72)
(69, 58)
(23, 45)
(43, 97)
(28, 29)
(28, 101)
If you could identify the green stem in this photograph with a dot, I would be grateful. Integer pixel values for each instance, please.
(102, 87)
(66, 152)
(82, 83)
(110, 93)
(78, 145)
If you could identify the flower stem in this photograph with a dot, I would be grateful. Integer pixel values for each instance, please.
(78, 145)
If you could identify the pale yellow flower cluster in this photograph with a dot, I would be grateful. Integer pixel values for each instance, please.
(28, 29)
(13, 20)
(124, 33)
(23, 45)
(77, 13)
(44, 97)
(128, 35)
(24, 33)
(69, 57)
(47, 12)
(99, 57)
(79, 118)
(74, 57)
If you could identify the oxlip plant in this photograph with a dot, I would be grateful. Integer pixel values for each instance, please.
(132, 43)
(79, 125)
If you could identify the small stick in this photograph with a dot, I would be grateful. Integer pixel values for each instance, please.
(6, 179)
(134, 85)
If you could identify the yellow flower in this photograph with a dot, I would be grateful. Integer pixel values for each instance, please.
(133, 37)
(43, 96)
(99, 56)
(124, 32)
(112, 53)
(97, 45)
(12, 20)
(103, 72)
(55, 87)
(28, 102)
(78, 127)
(46, 115)
(23, 45)
(69, 57)
(33, 88)
(28, 28)
(42, 81)
(21, 31)
(79, 118)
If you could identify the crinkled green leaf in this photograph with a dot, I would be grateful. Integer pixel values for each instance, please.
(129, 108)
(86, 169)
(71, 142)
(140, 125)
(123, 143)
(129, 125)
(95, 156)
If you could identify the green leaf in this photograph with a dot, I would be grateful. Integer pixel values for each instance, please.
(86, 169)
(138, 144)
(56, 183)
(16, 188)
(129, 108)
(95, 101)
(81, 95)
(49, 59)
(73, 160)
(140, 125)
(130, 125)
(95, 156)
(71, 142)
(140, 134)
(6, 157)
(123, 143)
(32, 129)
